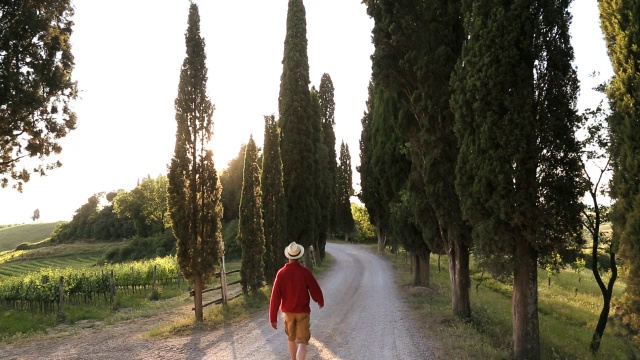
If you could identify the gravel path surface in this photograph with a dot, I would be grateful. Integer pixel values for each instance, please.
(363, 318)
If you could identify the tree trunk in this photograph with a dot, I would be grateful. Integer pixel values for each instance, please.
(606, 299)
(421, 270)
(526, 332)
(197, 299)
(316, 253)
(307, 259)
(380, 235)
(346, 237)
(458, 257)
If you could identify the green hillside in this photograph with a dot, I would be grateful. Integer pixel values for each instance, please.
(10, 237)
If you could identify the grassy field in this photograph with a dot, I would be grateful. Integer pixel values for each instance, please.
(568, 313)
(12, 236)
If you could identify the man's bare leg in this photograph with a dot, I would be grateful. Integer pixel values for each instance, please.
(292, 349)
(302, 351)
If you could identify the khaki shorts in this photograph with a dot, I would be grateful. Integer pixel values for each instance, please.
(297, 327)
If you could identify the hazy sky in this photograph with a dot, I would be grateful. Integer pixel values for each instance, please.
(128, 55)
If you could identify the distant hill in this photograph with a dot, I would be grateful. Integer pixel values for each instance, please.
(12, 236)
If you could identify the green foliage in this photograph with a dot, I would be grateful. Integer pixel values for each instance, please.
(297, 145)
(145, 205)
(91, 223)
(36, 91)
(194, 187)
(364, 231)
(273, 202)
(620, 22)
(232, 249)
(231, 180)
(250, 230)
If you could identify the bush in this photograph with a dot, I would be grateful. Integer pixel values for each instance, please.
(142, 248)
(23, 246)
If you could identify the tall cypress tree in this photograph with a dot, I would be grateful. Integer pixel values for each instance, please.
(194, 187)
(344, 217)
(620, 21)
(250, 230)
(518, 168)
(320, 176)
(273, 205)
(417, 45)
(296, 124)
(370, 185)
(329, 166)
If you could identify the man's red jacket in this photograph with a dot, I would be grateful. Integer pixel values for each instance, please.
(291, 290)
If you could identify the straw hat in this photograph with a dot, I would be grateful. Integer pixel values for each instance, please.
(294, 251)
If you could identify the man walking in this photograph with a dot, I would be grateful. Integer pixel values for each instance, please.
(291, 289)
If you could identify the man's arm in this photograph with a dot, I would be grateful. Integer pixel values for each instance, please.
(314, 290)
(274, 303)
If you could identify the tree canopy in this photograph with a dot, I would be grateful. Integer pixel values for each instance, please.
(36, 87)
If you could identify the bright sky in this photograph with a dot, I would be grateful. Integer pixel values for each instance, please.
(128, 55)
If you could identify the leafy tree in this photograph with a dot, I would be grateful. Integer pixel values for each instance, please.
(417, 46)
(273, 205)
(518, 170)
(194, 187)
(298, 153)
(364, 231)
(250, 230)
(620, 22)
(329, 164)
(35, 85)
(36, 215)
(146, 205)
(231, 180)
(344, 185)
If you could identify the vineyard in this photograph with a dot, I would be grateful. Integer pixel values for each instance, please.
(43, 290)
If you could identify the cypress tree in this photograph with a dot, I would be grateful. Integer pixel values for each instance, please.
(620, 21)
(329, 164)
(273, 205)
(370, 185)
(194, 188)
(344, 217)
(518, 169)
(250, 231)
(298, 152)
(417, 45)
(320, 177)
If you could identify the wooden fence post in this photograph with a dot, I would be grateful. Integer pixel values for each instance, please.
(112, 287)
(61, 297)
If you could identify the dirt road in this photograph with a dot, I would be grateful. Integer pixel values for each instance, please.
(363, 318)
